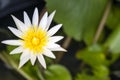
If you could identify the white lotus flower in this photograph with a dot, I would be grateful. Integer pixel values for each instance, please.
(35, 39)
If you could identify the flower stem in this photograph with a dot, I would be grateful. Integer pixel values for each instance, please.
(103, 21)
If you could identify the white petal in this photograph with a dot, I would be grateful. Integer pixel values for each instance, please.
(20, 25)
(56, 38)
(57, 49)
(27, 20)
(24, 58)
(26, 53)
(43, 21)
(17, 50)
(32, 58)
(52, 45)
(53, 30)
(35, 17)
(48, 53)
(50, 18)
(12, 42)
(16, 32)
(41, 60)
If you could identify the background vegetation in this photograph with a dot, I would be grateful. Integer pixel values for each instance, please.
(92, 38)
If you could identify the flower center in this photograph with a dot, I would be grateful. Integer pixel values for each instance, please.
(35, 39)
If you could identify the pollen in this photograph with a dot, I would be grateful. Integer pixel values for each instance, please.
(35, 39)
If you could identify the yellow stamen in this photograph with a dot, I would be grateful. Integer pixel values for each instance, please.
(35, 39)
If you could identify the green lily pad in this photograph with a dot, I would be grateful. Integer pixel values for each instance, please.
(80, 18)
(57, 72)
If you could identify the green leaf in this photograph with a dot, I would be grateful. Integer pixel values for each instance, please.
(113, 18)
(57, 72)
(113, 41)
(80, 18)
(84, 76)
(93, 55)
(114, 58)
(101, 71)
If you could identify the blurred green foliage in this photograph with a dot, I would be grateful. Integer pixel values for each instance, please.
(92, 55)
(83, 76)
(113, 17)
(57, 72)
(113, 41)
(80, 17)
